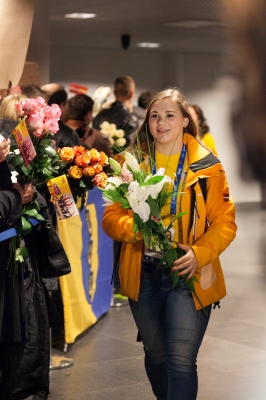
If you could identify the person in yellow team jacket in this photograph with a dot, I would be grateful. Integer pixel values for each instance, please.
(170, 321)
(204, 134)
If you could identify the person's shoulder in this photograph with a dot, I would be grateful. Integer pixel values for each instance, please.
(64, 128)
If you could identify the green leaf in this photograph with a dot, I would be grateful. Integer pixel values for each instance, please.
(26, 226)
(170, 256)
(138, 222)
(153, 180)
(19, 256)
(26, 170)
(17, 160)
(155, 211)
(146, 237)
(24, 252)
(50, 150)
(174, 278)
(82, 184)
(115, 196)
(34, 213)
(46, 172)
(123, 188)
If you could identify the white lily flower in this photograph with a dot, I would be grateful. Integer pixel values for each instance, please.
(157, 187)
(114, 180)
(160, 171)
(115, 165)
(137, 196)
(107, 202)
(132, 162)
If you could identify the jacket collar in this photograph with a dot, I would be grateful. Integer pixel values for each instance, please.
(202, 163)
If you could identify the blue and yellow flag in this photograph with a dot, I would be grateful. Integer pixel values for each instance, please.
(87, 290)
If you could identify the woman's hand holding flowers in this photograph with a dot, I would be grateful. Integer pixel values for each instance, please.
(26, 192)
(4, 149)
(187, 264)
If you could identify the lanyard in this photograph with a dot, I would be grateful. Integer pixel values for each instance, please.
(179, 171)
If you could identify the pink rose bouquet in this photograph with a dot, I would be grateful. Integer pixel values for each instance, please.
(42, 124)
(41, 119)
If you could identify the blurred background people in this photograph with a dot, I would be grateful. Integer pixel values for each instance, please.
(247, 51)
(50, 88)
(33, 91)
(120, 111)
(204, 134)
(65, 136)
(246, 22)
(80, 109)
(7, 106)
(144, 100)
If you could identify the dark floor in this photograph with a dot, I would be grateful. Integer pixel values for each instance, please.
(108, 362)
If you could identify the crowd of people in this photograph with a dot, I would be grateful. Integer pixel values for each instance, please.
(171, 324)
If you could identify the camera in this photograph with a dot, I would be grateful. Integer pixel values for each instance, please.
(125, 41)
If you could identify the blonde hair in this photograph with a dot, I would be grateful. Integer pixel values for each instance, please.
(7, 107)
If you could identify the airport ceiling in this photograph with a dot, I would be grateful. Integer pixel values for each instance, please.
(177, 25)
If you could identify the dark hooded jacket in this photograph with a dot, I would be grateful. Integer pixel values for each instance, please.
(24, 327)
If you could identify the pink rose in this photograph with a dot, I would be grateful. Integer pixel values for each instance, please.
(51, 126)
(53, 111)
(33, 105)
(38, 131)
(35, 120)
(19, 109)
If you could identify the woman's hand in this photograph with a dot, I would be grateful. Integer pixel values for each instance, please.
(4, 149)
(188, 263)
(26, 192)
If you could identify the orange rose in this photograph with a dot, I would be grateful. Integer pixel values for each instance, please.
(67, 154)
(97, 168)
(100, 179)
(79, 150)
(83, 160)
(103, 159)
(95, 155)
(89, 172)
(75, 172)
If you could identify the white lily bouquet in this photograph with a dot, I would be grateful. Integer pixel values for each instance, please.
(134, 187)
(115, 136)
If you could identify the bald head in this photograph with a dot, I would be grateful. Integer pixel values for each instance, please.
(50, 88)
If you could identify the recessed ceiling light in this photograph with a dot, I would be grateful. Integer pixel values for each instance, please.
(80, 15)
(149, 44)
(193, 23)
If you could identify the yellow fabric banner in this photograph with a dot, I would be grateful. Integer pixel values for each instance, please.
(87, 290)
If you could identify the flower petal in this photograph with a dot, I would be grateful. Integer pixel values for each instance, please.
(132, 162)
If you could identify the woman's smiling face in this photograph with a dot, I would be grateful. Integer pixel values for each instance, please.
(166, 123)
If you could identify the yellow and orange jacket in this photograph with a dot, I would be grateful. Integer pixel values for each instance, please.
(208, 227)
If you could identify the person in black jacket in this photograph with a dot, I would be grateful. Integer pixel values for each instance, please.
(65, 136)
(79, 116)
(120, 112)
(24, 326)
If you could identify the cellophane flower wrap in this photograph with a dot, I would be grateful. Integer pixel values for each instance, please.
(42, 123)
(134, 187)
(83, 169)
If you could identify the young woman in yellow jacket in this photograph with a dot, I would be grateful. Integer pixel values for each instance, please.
(169, 320)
